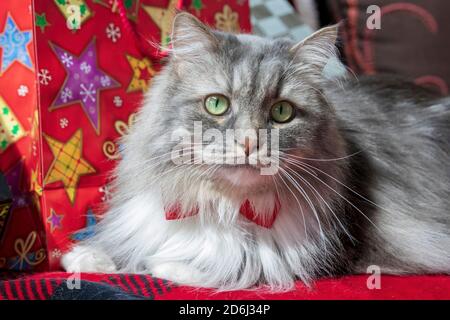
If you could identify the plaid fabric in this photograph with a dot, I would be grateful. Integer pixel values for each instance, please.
(277, 18)
(61, 286)
(54, 286)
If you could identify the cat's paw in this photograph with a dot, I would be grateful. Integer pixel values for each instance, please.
(87, 259)
(177, 272)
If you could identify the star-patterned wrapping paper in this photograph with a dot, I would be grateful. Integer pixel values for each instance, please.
(70, 83)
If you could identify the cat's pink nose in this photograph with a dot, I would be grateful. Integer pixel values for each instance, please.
(249, 146)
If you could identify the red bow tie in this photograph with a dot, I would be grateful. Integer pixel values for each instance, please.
(174, 212)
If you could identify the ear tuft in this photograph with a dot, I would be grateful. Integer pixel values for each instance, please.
(317, 49)
(190, 35)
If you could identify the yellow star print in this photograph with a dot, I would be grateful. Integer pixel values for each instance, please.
(35, 186)
(68, 165)
(163, 17)
(142, 74)
(11, 130)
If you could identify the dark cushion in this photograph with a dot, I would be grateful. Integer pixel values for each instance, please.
(413, 41)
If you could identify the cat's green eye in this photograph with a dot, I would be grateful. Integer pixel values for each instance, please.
(282, 112)
(217, 104)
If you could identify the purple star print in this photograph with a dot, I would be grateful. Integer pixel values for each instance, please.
(83, 83)
(54, 220)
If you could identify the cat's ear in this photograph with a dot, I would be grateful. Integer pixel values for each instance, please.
(191, 37)
(316, 50)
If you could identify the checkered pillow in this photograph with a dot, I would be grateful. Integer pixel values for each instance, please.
(277, 18)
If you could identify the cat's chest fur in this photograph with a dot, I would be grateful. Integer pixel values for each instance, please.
(222, 239)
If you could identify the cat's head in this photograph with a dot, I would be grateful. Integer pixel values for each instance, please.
(223, 82)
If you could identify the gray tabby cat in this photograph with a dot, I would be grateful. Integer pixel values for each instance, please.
(363, 176)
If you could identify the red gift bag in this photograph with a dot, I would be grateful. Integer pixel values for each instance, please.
(72, 73)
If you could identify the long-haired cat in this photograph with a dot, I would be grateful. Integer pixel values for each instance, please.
(362, 175)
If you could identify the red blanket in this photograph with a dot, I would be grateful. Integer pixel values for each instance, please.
(104, 286)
